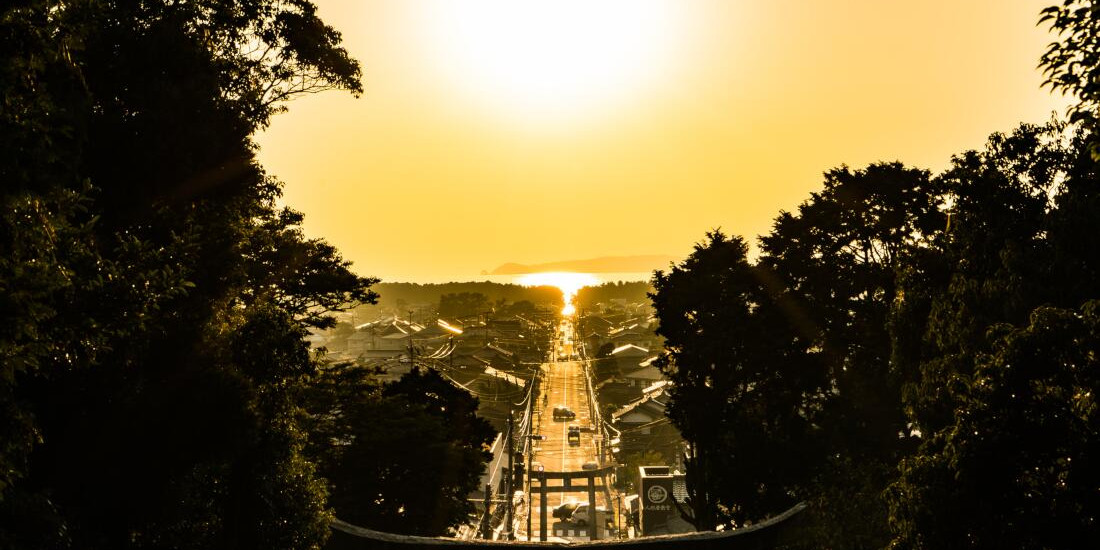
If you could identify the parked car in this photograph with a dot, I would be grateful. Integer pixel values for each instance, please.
(565, 511)
(590, 465)
(562, 413)
(581, 515)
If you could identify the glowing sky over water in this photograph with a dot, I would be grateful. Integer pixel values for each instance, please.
(531, 131)
(569, 283)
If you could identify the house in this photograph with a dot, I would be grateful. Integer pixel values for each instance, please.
(617, 392)
(642, 424)
(629, 351)
(508, 328)
(359, 342)
(630, 334)
(495, 356)
(592, 342)
(439, 330)
(637, 414)
(645, 374)
(606, 368)
(596, 325)
(390, 336)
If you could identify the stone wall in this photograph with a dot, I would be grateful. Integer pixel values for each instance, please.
(782, 532)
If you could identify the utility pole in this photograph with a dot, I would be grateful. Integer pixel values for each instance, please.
(530, 501)
(619, 518)
(509, 447)
(527, 476)
(485, 519)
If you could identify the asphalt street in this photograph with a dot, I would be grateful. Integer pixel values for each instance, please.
(563, 386)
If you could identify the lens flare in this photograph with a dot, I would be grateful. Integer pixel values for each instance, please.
(568, 282)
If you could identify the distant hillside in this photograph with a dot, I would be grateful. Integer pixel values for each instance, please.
(606, 264)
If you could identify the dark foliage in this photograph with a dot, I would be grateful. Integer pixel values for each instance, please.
(993, 330)
(401, 295)
(725, 336)
(631, 291)
(908, 354)
(154, 298)
(1071, 64)
(402, 457)
(462, 304)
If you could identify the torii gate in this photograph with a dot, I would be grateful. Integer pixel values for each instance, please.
(567, 487)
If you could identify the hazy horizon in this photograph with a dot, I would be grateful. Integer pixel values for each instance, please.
(475, 142)
(513, 278)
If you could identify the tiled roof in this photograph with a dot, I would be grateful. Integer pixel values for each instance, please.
(628, 347)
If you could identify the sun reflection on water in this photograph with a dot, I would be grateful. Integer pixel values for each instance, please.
(567, 281)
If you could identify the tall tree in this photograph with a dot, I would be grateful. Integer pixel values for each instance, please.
(740, 413)
(1072, 63)
(834, 262)
(1017, 465)
(401, 457)
(992, 324)
(133, 256)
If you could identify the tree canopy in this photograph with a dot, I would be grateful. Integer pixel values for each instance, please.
(923, 343)
(407, 453)
(155, 298)
(909, 354)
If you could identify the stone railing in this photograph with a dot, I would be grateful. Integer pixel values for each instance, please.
(779, 532)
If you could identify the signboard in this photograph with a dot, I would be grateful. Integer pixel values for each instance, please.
(655, 490)
(656, 494)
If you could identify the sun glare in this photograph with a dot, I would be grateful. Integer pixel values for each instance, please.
(555, 58)
(568, 282)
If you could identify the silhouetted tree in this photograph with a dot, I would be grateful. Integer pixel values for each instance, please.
(632, 291)
(398, 296)
(1016, 467)
(155, 299)
(401, 457)
(462, 304)
(1071, 64)
(739, 376)
(605, 350)
(991, 323)
(833, 264)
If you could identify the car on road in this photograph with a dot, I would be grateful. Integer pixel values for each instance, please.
(574, 436)
(563, 413)
(581, 515)
(536, 466)
(565, 511)
(590, 465)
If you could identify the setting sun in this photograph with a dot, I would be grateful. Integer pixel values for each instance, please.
(552, 59)
(569, 283)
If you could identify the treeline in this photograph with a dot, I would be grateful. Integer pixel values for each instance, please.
(915, 355)
(400, 295)
(631, 291)
(156, 390)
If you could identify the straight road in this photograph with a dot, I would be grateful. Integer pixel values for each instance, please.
(563, 385)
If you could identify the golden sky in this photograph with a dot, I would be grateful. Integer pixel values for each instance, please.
(531, 131)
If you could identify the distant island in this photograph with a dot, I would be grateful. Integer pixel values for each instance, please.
(606, 264)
